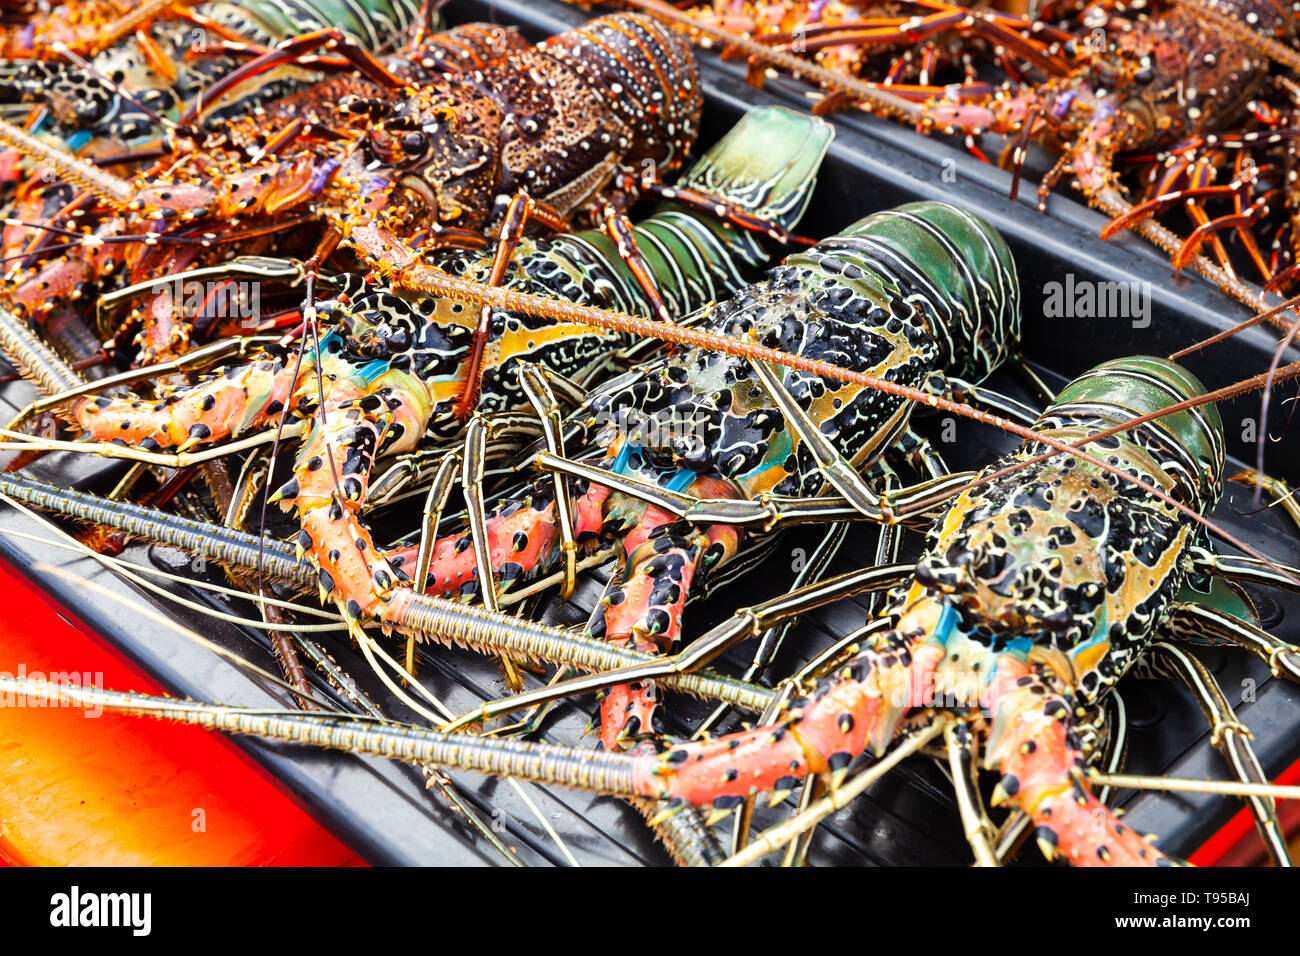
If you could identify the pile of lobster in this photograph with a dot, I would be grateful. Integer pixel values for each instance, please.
(407, 255)
(1175, 118)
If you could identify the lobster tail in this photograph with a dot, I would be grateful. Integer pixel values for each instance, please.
(1188, 444)
(647, 75)
(950, 266)
(767, 164)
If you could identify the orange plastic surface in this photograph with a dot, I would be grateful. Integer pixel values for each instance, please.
(117, 790)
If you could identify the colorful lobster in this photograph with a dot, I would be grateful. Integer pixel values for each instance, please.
(112, 70)
(1169, 83)
(392, 369)
(1164, 81)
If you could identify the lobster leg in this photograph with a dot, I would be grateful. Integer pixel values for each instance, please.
(723, 209)
(747, 623)
(619, 229)
(962, 766)
(1198, 622)
(1231, 738)
(1248, 570)
(406, 473)
(435, 501)
(768, 511)
(1032, 745)
(522, 208)
(289, 51)
(538, 391)
(472, 465)
(1276, 487)
(839, 473)
(989, 400)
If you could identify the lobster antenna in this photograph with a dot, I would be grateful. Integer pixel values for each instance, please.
(112, 189)
(1228, 391)
(1267, 314)
(1231, 788)
(85, 239)
(1263, 406)
(144, 610)
(181, 579)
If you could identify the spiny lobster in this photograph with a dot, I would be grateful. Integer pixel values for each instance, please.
(393, 368)
(1164, 81)
(112, 70)
(1172, 80)
(596, 112)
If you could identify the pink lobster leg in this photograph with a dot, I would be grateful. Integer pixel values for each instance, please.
(860, 708)
(226, 405)
(331, 473)
(1042, 772)
(522, 538)
(856, 709)
(329, 483)
(644, 609)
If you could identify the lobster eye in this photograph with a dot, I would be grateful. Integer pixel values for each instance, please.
(1144, 76)
(413, 144)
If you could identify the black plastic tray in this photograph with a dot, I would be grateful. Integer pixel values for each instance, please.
(382, 809)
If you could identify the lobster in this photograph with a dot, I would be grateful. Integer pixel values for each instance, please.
(1041, 585)
(391, 369)
(619, 105)
(1169, 82)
